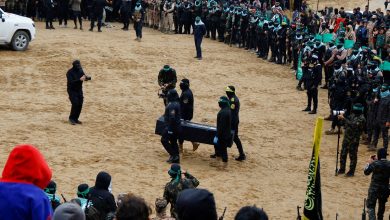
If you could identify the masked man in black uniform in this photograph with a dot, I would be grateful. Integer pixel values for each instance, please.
(187, 108)
(172, 129)
(75, 78)
(223, 139)
(235, 108)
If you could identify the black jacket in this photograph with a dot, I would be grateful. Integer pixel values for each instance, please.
(172, 116)
(224, 119)
(74, 85)
(187, 104)
(167, 77)
(101, 198)
(235, 109)
(98, 6)
(380, 170)
(312, 76)
(383, 114)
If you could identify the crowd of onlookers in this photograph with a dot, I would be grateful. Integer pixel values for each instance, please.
(27, 192)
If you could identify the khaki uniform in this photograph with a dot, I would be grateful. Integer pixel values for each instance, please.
(169, 8)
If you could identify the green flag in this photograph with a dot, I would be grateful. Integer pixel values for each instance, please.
(326, 38)
(348, 44)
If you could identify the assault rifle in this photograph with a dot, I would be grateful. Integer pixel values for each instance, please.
(223, 214)
(299, 217)
(63, 197)
(364, 210)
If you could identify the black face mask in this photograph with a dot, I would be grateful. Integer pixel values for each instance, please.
(77, 66)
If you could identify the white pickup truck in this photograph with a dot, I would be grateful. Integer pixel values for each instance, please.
(16, 31)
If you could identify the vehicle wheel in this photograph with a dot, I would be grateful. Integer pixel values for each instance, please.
(20, 41)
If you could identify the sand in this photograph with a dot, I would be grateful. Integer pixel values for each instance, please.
(121, 107)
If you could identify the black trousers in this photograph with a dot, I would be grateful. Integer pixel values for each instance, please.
(213, 30)
(49, 17)
(221, 31)
(63, 15)
(312, 96)
(221, 149)
(76, 99)
(237, 141)
(169, 141)
(198, 43)
(98, 18)
(77, 15)
(381, 129)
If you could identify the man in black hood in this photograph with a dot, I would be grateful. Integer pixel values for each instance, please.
(224, 138)
(100, 195)
(172, 129)
(75, 77)
(186, 108)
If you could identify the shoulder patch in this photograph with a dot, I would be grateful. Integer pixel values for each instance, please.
(185, 101)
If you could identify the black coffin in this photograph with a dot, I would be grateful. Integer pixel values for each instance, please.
(192, 131)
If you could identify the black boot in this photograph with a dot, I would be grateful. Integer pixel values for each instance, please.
(170, 159)
(175, 159)
(214, 156)
(341, 171)
(350, 173)
(241, 158)
(306, 109)
(313, 112)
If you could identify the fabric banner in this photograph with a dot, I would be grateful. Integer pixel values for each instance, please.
(313, 201)
(326, 38)
(348, 44)
(385, 66)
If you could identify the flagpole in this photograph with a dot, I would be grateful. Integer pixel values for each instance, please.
(318, 2)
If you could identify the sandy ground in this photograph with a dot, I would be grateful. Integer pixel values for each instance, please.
(121, 107)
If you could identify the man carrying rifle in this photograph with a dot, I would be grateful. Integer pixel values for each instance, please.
(379, 166)
(354, 124)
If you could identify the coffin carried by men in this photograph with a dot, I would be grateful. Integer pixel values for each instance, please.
(191, 131)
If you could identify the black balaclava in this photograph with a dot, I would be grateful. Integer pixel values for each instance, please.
(103, 180)
(76, 65)
(184, 84)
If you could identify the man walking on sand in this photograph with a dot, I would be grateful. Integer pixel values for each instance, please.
(199, 32)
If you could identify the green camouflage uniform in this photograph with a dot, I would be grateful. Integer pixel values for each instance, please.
(174, 187)
(354, 125)
(379, 187)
